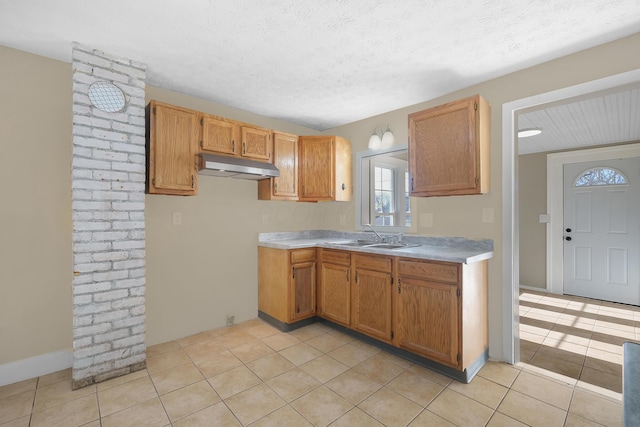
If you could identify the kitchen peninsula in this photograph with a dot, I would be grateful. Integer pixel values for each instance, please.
(422, 298)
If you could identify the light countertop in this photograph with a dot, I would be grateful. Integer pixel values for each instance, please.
(451, 249)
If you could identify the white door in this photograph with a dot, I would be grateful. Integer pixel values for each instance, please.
(602, 230)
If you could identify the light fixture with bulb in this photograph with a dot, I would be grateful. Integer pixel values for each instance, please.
(381, 140)
(525, 133)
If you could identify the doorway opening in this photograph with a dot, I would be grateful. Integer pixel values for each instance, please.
(510, 196)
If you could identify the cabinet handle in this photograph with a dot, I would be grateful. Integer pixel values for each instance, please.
(192, 182)
(233, 146)
(399, 285)
(275, 188)
(357, 277)
(293, 272)
(303, 192)
(411, 183)
(348, 271)
(244, 148)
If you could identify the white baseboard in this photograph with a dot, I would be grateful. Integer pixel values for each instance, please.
(36, 366)
(533, 288)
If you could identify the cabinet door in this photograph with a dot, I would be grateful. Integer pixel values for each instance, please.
(428, 319)
(303, 290)
(444, 149)
(256, 143)
(285, 158)
(335, 293)
(316, 168)
(372, 306)
(173, 139)
(219, 136)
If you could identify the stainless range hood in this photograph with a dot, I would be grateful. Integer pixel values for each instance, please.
(235, 167)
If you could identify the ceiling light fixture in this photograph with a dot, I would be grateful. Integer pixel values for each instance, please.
(381, 140)
(525, 133)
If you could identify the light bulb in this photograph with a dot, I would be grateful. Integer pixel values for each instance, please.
(374, 141)
(387, 138)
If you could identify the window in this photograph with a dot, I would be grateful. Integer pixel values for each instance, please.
(600, 176)
(382, 190)
(388, 192)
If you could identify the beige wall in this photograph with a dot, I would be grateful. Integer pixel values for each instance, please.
(204, 269)
(461, 215)
(207, 267)
(532, 182)
(35, 206)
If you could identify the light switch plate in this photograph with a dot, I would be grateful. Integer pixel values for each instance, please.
(487, 215)
(544, 218)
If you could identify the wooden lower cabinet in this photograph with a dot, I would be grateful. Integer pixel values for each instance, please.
(287, 283)
(428, 319)
(441, 311)
(334, 286)
(372, 305)
(437, 310)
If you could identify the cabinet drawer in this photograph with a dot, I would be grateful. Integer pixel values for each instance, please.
(373, 263)
(443, 272)
(303, 255)
(336, 257)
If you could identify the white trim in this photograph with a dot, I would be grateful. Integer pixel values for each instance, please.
(510, 280)
(555, 202)
(532, 288)
(36, 366)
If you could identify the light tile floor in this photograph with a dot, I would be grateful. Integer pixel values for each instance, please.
(251, 374)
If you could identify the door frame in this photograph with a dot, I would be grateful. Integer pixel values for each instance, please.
(510, 232)
(555, 202)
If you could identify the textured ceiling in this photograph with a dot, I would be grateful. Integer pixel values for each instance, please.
(319, 63)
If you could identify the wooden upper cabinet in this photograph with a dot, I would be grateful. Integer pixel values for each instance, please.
(256, 143)
(229, 137)
(173, 134)
(449, 148)
(324, 164)
(219, 135)
(285, 158)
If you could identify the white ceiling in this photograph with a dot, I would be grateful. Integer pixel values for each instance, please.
(610, 117)
(319, 63)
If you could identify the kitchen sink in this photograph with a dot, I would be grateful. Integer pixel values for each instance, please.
(391, 246)
(355, 243)
(371, 244)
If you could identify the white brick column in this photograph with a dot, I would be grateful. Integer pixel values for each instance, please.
(108, 183)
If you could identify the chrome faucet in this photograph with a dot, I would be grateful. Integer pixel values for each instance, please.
(378, 236)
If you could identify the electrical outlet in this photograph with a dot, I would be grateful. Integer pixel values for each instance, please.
(231, 320)
(176, 217)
